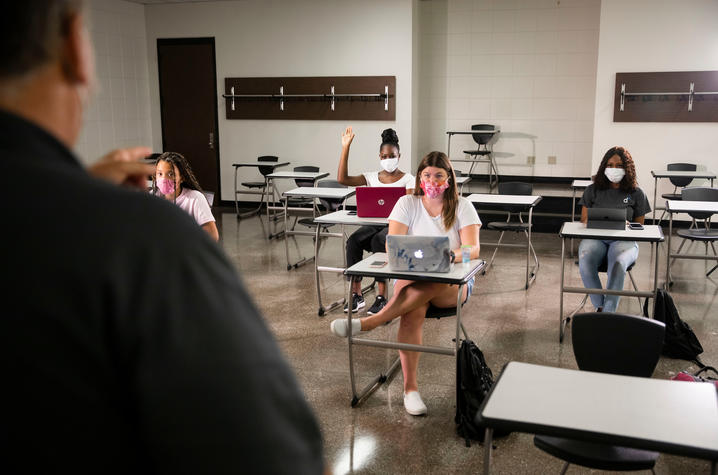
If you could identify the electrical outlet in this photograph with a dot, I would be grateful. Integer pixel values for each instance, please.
(530, 160)
(552, 159)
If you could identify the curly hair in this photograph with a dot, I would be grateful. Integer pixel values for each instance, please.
(185, 170)
(451, 194)
(628, 183)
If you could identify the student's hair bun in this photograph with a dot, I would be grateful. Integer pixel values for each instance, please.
(389, 137)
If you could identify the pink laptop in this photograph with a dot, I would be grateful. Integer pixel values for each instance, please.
(377, 201)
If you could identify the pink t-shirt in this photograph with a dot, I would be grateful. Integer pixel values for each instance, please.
(195, 203)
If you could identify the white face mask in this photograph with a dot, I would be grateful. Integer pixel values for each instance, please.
(615, 175)
(389, 164)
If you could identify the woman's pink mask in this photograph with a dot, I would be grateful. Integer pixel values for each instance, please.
(433, 191)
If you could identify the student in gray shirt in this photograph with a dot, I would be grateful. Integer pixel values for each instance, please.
(614, 186)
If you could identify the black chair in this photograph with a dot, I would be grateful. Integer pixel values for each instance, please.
(514, 221)
(700, 229)
(677, 182)
(617, 344)
(484, 153)
(329, 205)
(302, 182)
(261, 186)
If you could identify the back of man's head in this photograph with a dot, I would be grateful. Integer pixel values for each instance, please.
(31, 34)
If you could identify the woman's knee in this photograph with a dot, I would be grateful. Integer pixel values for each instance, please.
(414, 319)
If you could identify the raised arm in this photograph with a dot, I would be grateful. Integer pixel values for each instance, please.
(342, 174)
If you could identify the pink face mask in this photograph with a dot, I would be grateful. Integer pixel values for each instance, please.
(166, 186)
(433, 191)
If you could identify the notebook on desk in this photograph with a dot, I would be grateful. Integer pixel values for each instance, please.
(606, 218)
(377, 201)
(419, 253)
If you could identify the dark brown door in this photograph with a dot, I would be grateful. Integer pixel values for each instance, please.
(188, 103)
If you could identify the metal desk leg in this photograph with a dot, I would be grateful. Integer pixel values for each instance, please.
(286, 233)
(655, 281)
(573, 215)
(655, 191)
(561, 322)
(488, 442)
(236, 203)
(530, 278)
(316, 269)
(448, 147)
(668, 252)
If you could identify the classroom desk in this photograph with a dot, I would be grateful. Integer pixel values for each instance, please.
(343, 218)
(577, 230)
(459, 275)
(577, 185)
(461, 181)
(314, 193)
(672, 417)
(289, 175)
(680, 206)
(675, 174)
(257, 164)
(528, 202)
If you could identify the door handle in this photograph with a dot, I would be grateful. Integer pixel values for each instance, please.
(211, 140)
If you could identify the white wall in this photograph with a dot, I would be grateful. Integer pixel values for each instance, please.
(119, 114)
(645, 36)
(302, 38)
(525, 65)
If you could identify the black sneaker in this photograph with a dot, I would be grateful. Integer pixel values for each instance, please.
(377, 306)
(357, 303)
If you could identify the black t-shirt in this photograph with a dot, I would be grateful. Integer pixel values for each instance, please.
(127, 342)
(635, 202)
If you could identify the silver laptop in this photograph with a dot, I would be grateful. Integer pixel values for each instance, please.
(419, 253)
(606, 218)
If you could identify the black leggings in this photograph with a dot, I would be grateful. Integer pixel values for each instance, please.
(366, 238)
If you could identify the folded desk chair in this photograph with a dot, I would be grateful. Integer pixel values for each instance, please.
(617, 344)
(299, 202)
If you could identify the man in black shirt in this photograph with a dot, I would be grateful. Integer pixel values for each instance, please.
(127, 343)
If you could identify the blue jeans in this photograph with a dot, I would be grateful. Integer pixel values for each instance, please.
(621, 254)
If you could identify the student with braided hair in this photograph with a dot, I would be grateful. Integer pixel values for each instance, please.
(175, 180)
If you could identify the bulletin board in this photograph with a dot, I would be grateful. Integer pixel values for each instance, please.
(311, 98)
(676, 96)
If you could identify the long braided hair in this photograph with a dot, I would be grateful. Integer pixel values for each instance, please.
(189, 180)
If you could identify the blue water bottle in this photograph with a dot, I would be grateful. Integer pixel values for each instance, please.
(465, 254)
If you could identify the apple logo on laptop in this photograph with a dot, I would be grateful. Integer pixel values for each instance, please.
(418, 254)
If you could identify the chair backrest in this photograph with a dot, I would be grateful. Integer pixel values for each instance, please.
(681, 167)
(458, 173)
(267, 158)
(616, 343)
(305, 168)
(515, 188)
(482, 139)
(700, 193)
(210, 197)
(331, 204)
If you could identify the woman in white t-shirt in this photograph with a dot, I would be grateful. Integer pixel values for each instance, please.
(435, 209)
(371, 238)
(175, 181)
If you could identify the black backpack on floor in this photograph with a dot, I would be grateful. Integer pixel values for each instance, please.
(680, 341)
(474, 380)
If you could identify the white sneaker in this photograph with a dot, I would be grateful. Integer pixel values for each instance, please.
(413, 403)
(339, 327)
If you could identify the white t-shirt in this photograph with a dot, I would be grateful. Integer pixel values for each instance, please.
(195, 203)
(372, 179)
(410, 210)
